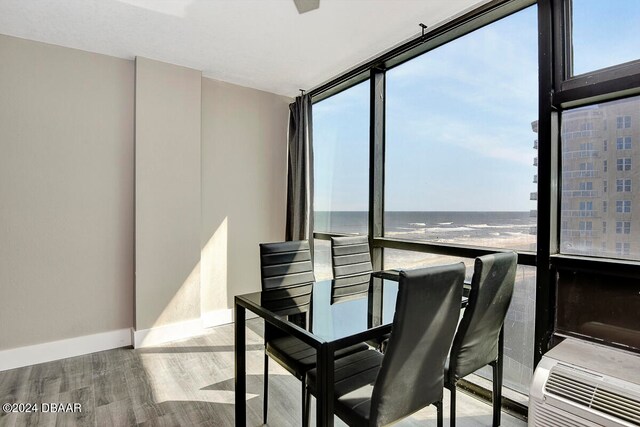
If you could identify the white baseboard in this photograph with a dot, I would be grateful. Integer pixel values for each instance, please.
(217, 318)
(181, 330)
(163, 334)
(55, 350)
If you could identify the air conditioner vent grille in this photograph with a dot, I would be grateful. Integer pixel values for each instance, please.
(571, 388)
(591, 392)
(547, 418)
(615, 404)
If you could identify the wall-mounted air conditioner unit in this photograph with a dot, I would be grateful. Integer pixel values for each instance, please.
(578, 383)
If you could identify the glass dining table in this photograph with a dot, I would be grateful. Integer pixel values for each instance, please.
(338, 318)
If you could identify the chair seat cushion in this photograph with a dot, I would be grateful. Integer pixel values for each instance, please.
(297, 357)
(354, 378)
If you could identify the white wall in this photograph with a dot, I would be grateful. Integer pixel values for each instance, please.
(66, 193)
(209, 185)
(167, 193)
(244, 167)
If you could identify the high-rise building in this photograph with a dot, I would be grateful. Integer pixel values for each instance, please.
(600, 163)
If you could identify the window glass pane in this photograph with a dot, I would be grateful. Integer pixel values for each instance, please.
(596, 305)
(582, 202)
(604, 34)
(341, 161)
(519, 324)
(322, 259)
(399, 259)
(460, 144)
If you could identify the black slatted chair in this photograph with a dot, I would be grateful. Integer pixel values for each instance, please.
(350, 257)
(287, 285)
(372, 389)
(352, 268)
(479, 338)
(351, 264)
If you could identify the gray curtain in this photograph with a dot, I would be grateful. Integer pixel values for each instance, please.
(299, 224)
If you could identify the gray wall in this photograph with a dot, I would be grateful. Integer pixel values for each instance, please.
(244, 167)
(66, 193)
(167, 193)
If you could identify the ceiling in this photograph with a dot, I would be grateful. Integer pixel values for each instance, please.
(263, 44)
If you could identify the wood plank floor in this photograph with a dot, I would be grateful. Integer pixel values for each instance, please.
(184, 383)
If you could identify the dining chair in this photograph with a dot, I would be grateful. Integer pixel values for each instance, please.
(287, 285)
(372, 389)
(350, 257)
(352, 268)
(479, 339)
(351, 265)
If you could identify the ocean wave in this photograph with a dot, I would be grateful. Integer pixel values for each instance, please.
(499, 226)
(419, 224)
(445, 223)
(430, 230)
(448, 229)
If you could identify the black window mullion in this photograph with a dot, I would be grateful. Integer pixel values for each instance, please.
(376, 164)
(547, 207)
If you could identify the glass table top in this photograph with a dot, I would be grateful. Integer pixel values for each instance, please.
(331, 316)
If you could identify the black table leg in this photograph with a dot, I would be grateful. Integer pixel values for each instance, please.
(240, 366)
(324, 398)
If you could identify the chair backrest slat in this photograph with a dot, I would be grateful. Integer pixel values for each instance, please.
(347, 288)
(287, 276)
(350, 256)
(412, 372)
(476, 342)
(285, 264)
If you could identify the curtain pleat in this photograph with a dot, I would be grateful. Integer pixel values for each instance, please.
(299, 223)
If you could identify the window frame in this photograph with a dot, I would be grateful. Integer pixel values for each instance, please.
(375, 72)
(558, 91)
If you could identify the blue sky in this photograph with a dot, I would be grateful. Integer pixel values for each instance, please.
(458, 134)
(605, 33)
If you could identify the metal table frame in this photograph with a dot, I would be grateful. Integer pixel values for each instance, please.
(325, 349)
(324, 362)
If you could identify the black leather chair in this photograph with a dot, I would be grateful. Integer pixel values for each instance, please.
(350, 257)
(352, 268)
(287, 279)
(479, 338)
(287, 285)
(351, 264)
(372, 389)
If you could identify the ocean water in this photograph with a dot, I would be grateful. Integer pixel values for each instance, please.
(514, 230)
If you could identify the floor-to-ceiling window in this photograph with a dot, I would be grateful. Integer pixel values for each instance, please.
(513, 128)
(341, 169)
(460, 159)
(459, 162)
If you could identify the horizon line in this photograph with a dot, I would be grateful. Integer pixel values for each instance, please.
(420, 211)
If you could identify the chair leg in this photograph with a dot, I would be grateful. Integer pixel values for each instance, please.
(497, 393)
(265, 401)
(440, 418)
(307, 408)
(452, 405)
(305, 403)
(497, 381)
